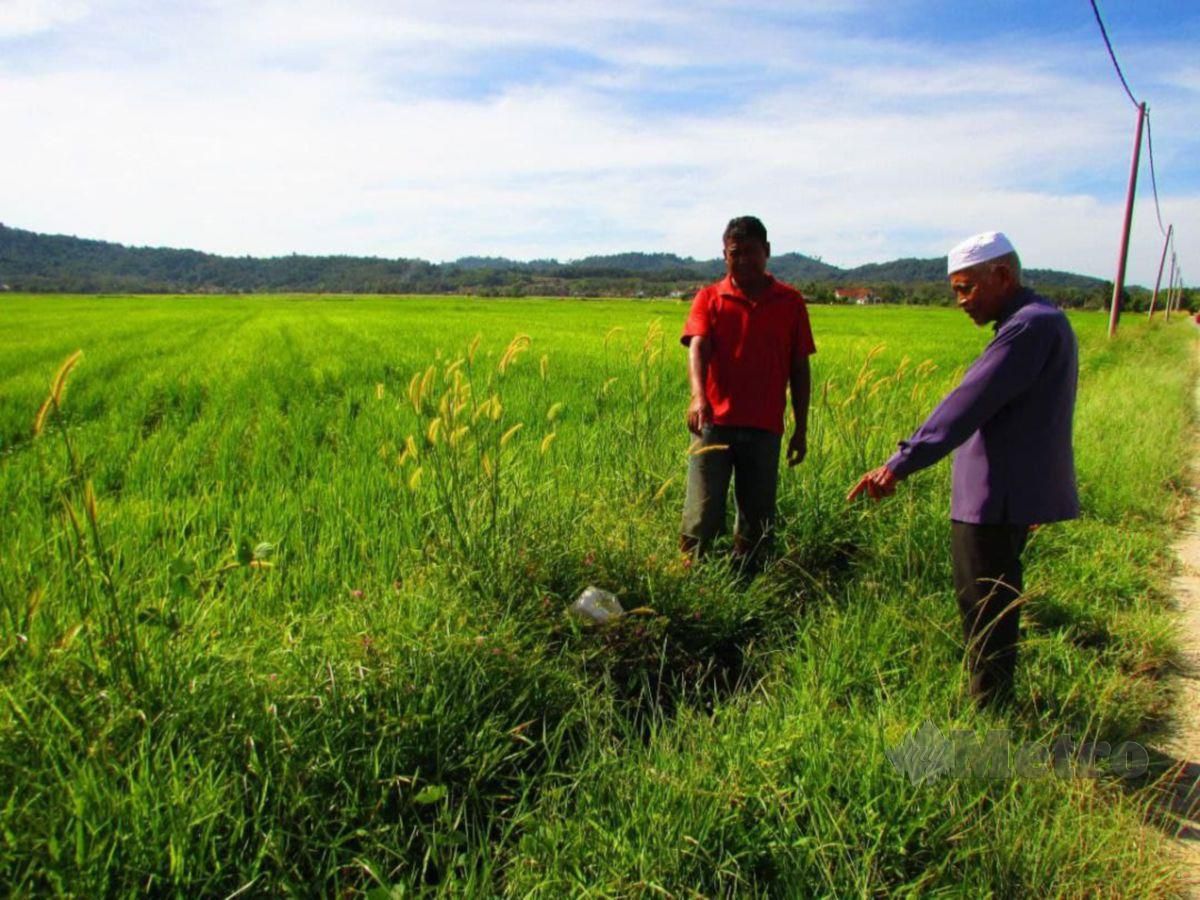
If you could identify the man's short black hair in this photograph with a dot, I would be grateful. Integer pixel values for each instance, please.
(745, 227)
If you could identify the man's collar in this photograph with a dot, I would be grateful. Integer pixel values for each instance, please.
(1019, 298)
(728, 288)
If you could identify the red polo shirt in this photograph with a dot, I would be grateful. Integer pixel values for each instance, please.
(752, 347)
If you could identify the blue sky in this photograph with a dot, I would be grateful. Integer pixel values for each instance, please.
(860, 130)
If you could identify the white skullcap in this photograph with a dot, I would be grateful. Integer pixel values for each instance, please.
(979, 248)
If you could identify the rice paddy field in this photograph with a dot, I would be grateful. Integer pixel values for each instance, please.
(283, 610)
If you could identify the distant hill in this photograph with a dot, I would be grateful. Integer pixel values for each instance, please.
(38, 262)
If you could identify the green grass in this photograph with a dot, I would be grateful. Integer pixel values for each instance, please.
(310, 636)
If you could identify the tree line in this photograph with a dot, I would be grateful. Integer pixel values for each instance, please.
(35, 262)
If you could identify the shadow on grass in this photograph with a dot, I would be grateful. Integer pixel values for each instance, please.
(702, 642)
(1173, 788)
(1047, 614)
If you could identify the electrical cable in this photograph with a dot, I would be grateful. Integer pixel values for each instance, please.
(1112, 55)
(1149, 138)
(1153, 178)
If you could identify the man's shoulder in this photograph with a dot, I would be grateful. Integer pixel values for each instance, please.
(784, 291)
(1037, 309)
(713, 289)
(707, 293)
(1038, 319)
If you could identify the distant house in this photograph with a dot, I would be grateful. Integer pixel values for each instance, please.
(858, 296)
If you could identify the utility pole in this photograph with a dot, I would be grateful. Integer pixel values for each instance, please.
(1171, 286)
(1119, 285)
(1161, 263)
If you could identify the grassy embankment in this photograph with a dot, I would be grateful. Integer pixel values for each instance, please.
(277, 646)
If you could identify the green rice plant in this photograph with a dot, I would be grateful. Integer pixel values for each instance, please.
(344, 533)
(87, 551)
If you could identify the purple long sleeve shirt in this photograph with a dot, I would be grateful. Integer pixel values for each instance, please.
(1010, 420)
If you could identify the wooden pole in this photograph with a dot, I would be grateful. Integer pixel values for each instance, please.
(1119, 285)
(1162, 262)
(1170, 286)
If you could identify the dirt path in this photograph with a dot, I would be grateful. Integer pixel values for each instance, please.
(1182, 797)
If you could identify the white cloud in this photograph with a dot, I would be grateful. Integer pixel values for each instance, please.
(23, 18)
(274, 128)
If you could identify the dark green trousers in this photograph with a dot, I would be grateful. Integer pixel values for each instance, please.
(988, 584)
(750, 458)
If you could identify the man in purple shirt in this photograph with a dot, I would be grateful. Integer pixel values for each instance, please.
(1010, 422)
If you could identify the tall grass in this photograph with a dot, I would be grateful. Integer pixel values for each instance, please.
(310, 631)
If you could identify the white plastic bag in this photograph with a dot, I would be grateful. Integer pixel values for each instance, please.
(597, 605)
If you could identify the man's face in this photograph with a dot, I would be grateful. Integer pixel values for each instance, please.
(982, 290)
(746, 259)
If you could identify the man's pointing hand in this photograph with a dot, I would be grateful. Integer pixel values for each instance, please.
(877, 484)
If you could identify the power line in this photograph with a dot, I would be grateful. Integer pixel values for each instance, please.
(1112, 55)
(1153, 179)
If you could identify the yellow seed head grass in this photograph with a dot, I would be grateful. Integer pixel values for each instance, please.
(410, 446)
(484, 409)
(654, 334)
(431, 433)
(414, 392)
(553, 411)
(409, 453)
(60, 379)
(379, 390)
(418, 388)
(39, 421)
(865, 374)
(515, 348)
(34, 601)
(508, 435)
(57, 388)
(89, 502)
(544, 366)
(68, 637)
(662, 490)
(697, 450)
(547, 441)
(427, 382)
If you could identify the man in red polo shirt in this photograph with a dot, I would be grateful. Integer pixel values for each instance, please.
(748, 341)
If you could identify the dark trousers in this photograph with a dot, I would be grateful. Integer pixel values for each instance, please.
(987, 582)
(748, 456)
